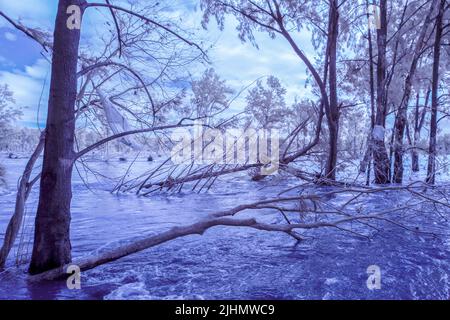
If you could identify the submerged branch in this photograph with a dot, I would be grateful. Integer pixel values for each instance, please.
(227, 218)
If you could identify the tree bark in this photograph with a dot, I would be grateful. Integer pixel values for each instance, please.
(333, 114)
(52, 246)
(365, 163)
(380, 156)
(419, 120)
(431, 172)
(414, 154)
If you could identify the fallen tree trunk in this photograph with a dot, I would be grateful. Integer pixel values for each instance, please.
(96, 259)
(227, 218)
(91, 261)
(287, 159)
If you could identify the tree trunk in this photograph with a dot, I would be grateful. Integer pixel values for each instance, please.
(365, 163)
(52, 246)
(431, 172)
(419, 120)
(380, 156)
(399, 131)
(414, 154)
(400, 121)
(333, 114)
(415, 160)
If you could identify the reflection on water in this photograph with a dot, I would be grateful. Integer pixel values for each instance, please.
(226, 263)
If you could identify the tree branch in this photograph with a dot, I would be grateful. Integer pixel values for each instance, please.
(140, 16)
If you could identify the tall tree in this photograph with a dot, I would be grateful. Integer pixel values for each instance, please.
(365, 163)
(283, 18)
(333, 112)
(52, 246)
(380, 156)
(431, 172)
(400, 121)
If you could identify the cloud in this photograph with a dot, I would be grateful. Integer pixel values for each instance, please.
(22, 67)
(27, 88)
(238, 63)
(241, 63)
(10, 36)
(6, 63)
(36, 13)
(39, 70)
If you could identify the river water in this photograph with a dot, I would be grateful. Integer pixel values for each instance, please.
(225, 262)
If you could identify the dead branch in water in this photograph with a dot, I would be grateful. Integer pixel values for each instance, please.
(310, 204)
(207, 173)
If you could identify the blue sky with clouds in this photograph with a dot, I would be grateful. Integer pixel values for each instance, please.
(26, 71)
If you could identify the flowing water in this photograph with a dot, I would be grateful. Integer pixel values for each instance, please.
(225, 262)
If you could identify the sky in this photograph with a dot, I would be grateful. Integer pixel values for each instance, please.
(26, 70)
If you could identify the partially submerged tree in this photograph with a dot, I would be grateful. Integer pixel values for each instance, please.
(283, 18)
(84, 87)
(298, 214)
(52, 246)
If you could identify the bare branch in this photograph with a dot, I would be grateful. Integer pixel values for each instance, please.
(140, 16)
